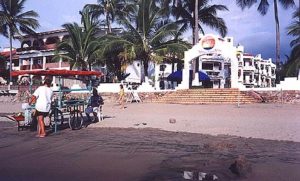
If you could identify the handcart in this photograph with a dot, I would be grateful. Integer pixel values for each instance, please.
(61, 107)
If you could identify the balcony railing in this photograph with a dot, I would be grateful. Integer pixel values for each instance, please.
(34, 66)
(43, 47)
(52, 65)
(65, 64)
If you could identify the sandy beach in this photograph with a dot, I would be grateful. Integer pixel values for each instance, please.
(267, 121)
(139, 143)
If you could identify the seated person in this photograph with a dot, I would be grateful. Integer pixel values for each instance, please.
(94, 103)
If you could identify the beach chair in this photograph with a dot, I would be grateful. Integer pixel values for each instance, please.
(99, 112)
(133, 96)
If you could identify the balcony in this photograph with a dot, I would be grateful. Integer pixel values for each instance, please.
(52, 65)
(249, 68)
(49, 47)
(38, 48)
(25, 67)
(55, 65)
(34, 66)
(65, 64)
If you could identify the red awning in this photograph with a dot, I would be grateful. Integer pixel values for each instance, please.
(63, 73)
(6, 54)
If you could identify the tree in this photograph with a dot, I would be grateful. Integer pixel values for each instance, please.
(291, 68)
(14, 21)
(294, 28)
(149, 35)
(110, 9)
(189, 12)
(194, 14)
(263, 9)
(80, 49)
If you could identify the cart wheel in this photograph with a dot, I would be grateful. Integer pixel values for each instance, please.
(59, 119)
(75, 120)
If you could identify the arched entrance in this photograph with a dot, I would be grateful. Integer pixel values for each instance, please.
(217, 59)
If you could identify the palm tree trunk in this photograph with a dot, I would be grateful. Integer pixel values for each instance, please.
(10, 56)
(277, 34)
(108, 23)
(196, 30)
(277, 58)
(196, 35)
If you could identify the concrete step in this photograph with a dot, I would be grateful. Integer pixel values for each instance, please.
(206, 96)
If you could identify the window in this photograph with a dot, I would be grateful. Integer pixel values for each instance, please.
(49, 59)
(207, 66)
(16, 63)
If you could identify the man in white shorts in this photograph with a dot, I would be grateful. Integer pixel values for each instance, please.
(42, 98)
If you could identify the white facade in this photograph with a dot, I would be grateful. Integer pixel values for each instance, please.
(226, 65)
(255, 72)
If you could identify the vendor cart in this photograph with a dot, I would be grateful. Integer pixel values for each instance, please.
(61, 106)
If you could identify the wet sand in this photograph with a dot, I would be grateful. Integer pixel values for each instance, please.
(103, 152)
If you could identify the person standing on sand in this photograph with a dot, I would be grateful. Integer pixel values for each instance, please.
(42, 97)
(121, 96)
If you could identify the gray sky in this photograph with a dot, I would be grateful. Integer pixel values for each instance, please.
(248, 27)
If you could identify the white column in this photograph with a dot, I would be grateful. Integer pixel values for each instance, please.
(60, 62)
(185, 72)
(157, 77)
(31, 63)
(195, 81)
(222, 81)
(44, 63)
(200, 68)
(242, 76)
(20, 63)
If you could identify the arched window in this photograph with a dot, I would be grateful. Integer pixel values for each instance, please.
(38, 43)
(26, 44)
(52, 40)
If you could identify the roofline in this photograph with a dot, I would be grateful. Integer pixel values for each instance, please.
(42, 33)
(50, 32)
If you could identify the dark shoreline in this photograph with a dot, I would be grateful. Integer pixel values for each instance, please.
(139, 154)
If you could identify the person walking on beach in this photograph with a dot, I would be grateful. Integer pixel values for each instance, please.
(121, 96)
(94, 104)
(42, 98)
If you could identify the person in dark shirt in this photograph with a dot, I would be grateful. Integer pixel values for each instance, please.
(94, 103)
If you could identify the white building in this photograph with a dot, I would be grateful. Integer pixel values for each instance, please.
(227, 66)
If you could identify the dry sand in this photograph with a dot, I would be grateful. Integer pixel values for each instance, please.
(101, 153)
(267, 121)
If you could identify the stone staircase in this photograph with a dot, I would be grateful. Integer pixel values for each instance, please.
(206, 96)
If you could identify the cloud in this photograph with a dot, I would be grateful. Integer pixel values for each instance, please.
(255, 32)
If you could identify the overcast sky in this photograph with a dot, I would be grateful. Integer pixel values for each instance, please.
(248, 27)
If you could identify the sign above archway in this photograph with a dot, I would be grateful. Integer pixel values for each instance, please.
(208, 42)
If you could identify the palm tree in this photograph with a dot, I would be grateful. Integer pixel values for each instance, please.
(13, 20)
(110, 9)
(291, 68)
(192, 12)
(81, 47)
(294, 28)
(293, 64)
(149, 36)
(263, 9)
